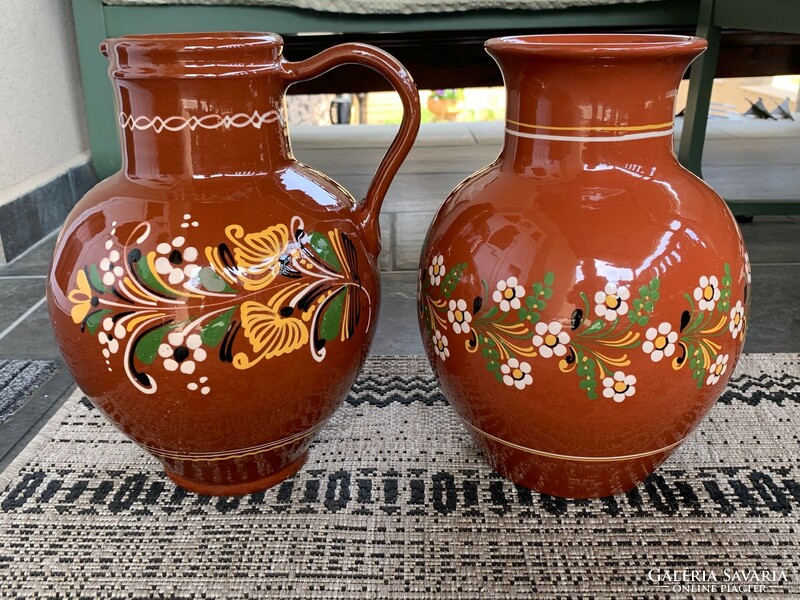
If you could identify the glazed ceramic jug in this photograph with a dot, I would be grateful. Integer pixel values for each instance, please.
(215, 299)
(583, 299)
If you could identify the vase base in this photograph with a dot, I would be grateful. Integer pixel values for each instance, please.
(578, 479)
(237, 489)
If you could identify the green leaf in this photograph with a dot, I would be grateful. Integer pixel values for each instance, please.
(522, 314)
(324, 250)
(654, 283)
(595, 326)
(95, 280)
(637, 303)
(530, 301)
(548, 293)
(534, 317)
(94, 319)
(649, 306)
(331, 320)
(591, 394)
(147, 345)
(537, 289)
(654, 296)
(549, 278)
(632, 316)
(213, 282)
(451, 279)
(498, 375)
(149, 279)
(643, 320)
(727, 269)
(212, 334)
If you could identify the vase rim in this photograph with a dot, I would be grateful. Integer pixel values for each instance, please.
(606, 44)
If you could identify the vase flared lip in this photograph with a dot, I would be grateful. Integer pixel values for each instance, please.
(597, 44)
(187, 55)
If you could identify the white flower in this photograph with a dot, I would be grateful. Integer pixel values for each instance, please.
(111, 270)
(660, 342)
(436, 270)
(508, 293)
(611, 301)
(182, 356)
(459, 316)
(717, 369)
(619, 387)
(111, 343)
(516, 374)
(440, 345)
(550, 339)
(176, 264)
(737, 320)
(707, 292)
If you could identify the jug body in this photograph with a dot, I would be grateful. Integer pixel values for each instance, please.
(216, 298)
(583, 300)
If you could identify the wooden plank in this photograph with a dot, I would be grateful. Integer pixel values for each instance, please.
(701, 80)
(98, 92)
(765, 15)
(162, 19)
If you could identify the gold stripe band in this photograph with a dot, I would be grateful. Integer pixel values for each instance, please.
(574, 458)
(600, 128)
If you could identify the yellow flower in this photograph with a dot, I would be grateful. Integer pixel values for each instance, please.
(257, 255)
(270, 331)
(81, 297)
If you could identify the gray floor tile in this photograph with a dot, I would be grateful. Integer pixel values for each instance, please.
(772, 239)
(398, 332)
(410, 231)
(774, 320)
(35, 261)
(17, 296)
(33, 338)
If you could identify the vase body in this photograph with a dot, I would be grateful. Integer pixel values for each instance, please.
(583, 299)
(215, 299)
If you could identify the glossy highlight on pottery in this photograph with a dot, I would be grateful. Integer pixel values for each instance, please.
(584, 299)
(216, 298)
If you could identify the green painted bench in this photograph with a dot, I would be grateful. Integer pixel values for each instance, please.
(445, 49)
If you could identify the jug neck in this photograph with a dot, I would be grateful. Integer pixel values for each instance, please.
(199, 105)
(202, 128)
(590, 101)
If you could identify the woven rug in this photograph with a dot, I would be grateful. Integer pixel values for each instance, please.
(396, 502)
(18, 380)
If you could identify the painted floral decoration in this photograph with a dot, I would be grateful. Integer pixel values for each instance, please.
(139, 300)
(599, 340)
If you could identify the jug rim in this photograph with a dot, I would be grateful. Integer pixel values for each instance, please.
(192, 55)
(606, 44)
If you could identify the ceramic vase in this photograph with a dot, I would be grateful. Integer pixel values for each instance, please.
(216, 298)
(583, 299)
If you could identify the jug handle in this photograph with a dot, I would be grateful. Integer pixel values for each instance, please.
(367, 211)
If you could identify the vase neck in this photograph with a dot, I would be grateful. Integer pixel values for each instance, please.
(591, 99)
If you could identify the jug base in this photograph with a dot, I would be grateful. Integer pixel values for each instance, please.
(237, 489)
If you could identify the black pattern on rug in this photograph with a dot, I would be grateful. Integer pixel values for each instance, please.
(396, 502)
(19, 379)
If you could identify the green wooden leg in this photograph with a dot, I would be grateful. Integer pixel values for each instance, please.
(98, 92)
(690, 151)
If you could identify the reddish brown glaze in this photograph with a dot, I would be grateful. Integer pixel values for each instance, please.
(215, 299)
(583, 299)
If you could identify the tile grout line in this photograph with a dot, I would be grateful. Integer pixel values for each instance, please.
(22, 317)
(2, 277)
(33, 246)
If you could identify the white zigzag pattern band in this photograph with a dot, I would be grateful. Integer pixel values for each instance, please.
(176, 123)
